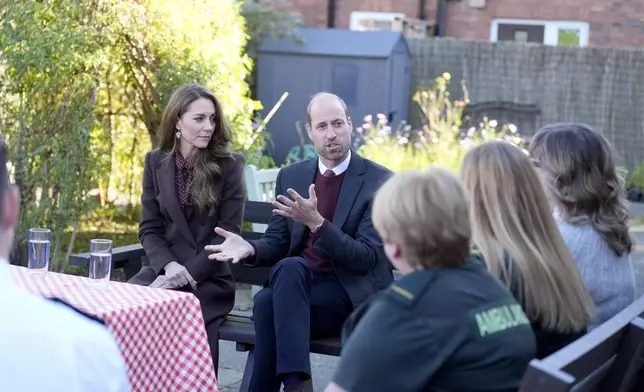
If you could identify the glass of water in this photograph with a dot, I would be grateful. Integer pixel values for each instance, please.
(100, 262)
(39, 242)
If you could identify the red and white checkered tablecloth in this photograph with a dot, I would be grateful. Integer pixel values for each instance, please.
(161, 333)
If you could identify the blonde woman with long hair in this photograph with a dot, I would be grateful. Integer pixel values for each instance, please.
(577, 166)
(513, 228)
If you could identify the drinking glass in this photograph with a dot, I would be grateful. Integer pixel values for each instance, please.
(39, 242)
(100, 262)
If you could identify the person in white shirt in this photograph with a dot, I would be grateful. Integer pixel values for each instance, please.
(47, 345)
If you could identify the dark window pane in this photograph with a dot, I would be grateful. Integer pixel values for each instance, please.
(525, 33)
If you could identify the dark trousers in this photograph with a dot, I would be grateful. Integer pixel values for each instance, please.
(295, 307)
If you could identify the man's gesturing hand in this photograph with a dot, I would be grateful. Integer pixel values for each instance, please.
(234, 248)
(299, 209)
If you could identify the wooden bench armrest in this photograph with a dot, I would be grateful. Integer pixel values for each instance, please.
(119, 254)
(234, 318)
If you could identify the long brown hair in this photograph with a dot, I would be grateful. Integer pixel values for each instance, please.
(205, 187)
(578, 167)
(513, 227)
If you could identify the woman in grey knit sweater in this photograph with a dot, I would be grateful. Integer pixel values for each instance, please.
(578, 168)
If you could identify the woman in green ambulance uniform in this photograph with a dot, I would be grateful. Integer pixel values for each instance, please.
(447, 324)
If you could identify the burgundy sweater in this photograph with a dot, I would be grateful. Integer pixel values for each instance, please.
(327, 190)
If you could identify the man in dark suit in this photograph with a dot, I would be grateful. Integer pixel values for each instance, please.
(326, 254)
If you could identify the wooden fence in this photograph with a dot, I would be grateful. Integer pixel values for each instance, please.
(602, 87)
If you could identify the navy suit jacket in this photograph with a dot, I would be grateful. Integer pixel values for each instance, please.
(349, 240)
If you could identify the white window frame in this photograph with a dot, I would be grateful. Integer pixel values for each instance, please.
(551, 27)
(359, 16)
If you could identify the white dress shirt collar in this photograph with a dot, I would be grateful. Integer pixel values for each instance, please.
(341, 168)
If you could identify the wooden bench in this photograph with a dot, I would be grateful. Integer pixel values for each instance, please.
(608, 359)
(238, 326)
(260, 186)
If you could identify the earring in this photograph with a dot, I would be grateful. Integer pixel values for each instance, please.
(178, 135)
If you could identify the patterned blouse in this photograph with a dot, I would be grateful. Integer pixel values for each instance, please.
(183, 178)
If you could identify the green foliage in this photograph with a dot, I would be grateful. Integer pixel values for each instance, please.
(635, 178)
(301, 153)
(52, 58)
(257, 141)
(441, 141)
(82, 87)
(275, 20)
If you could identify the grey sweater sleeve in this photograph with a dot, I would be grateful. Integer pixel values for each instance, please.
(610, 279)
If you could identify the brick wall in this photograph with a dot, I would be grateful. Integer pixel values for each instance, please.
(315, 11)
(407, 7)
(612, 22)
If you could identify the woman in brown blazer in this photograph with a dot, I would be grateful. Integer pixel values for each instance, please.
(191, 184)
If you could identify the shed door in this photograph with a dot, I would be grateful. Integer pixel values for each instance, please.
(399, 89)
(345, 81)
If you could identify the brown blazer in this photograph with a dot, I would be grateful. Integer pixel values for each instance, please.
(166, 234)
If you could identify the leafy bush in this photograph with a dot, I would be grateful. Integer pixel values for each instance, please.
(82, 88)
(441, 141)
(635, 178)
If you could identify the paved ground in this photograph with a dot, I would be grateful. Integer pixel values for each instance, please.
(232, 363)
